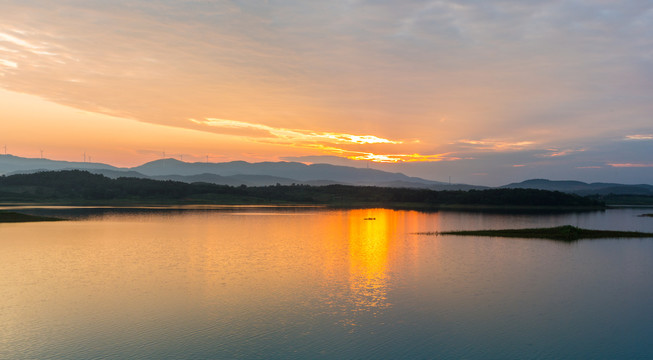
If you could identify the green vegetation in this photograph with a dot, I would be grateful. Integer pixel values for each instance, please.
(11, 217)
(81, 187)
(562, 233)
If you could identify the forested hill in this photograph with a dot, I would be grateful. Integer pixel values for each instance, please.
(75, 186)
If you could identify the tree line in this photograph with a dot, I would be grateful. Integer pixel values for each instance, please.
(77, 185)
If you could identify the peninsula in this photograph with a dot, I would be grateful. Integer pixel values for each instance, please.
(566, 233)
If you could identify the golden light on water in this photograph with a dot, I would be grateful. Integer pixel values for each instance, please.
(370, 237)
(372, 242)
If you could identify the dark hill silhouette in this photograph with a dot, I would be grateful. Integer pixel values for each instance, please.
(581, 188)
(76, 186)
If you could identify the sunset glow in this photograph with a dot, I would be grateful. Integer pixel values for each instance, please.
(394, 158)
(431, 89)
(296, 135)
(340, 179)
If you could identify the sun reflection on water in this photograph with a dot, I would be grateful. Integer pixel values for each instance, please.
(370, 240)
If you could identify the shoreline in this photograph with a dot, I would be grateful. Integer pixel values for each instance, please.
(15, 217)
(333, 205)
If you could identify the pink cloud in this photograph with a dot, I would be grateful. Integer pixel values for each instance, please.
(629, 165)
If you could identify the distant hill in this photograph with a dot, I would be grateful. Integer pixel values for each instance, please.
(297, 172)
(581, 188)
(231, 173)
(237, 173)
(12, 164)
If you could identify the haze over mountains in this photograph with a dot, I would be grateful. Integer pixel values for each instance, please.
(237, 173)
(234, 173)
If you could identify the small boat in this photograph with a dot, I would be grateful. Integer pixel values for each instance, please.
(369, 218)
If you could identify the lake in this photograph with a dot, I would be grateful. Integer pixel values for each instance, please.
(298, 283)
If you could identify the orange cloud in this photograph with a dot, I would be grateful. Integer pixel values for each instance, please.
(497, 145)
(322, 141)
(395, 158)
(8, 63)
(379, 158)
(558, 153)
(296, 134)
(4, 37)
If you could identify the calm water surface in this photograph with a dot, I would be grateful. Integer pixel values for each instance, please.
(312, 283)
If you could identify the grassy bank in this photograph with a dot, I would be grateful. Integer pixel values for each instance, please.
(562, 233)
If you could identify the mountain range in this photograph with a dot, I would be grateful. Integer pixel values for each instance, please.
(237, 173)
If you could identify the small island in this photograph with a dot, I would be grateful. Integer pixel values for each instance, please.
(562, 233)
(14, 217)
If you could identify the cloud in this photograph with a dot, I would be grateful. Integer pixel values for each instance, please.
(8, 63)
(395, 158)
(640, 137)
(16, 41)
(322, 159)
(509, 77)
(496, 145)
(296, 134)
(557, 152)
(490, 64)
(631, 165)
(325, 141)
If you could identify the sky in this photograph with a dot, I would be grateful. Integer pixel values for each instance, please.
(482, 92)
